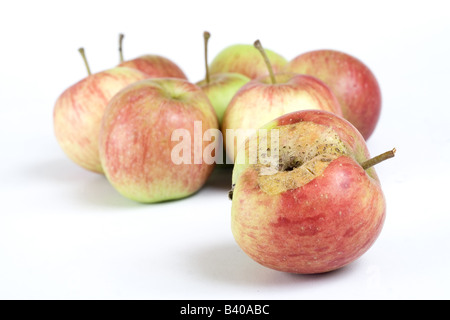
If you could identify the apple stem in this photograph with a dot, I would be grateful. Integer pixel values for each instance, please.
(258, 46)
(375, 160)
(81, 50)
(206, 36)
(121, 36)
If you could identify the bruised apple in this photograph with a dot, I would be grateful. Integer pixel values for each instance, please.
(305, 196)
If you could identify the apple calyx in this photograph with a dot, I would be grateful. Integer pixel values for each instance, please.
(83, 55)
(380, 158)
(206, 36)
(121, 36)
(260, 48)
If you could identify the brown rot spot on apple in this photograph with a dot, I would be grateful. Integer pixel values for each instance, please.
(289, 164)
(305, 150)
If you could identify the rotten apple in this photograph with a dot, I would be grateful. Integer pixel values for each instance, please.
(311, 201)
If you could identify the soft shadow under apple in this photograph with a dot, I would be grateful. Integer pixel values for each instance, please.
(220, 178)
(228, 264)
(77, 183)
(56, 169)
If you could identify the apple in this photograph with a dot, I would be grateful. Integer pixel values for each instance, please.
(268, 97)
(79, 109)
(155, 66)
(351, 81)
(246, 60)
(220, 87)
(312, 201)
(138, 148)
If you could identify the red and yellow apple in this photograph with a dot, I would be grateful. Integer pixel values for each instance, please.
(155, 66)
(260, 101)
(351, 81)
(268, 97)
(78, 112)
(137, 146)
(311, 202)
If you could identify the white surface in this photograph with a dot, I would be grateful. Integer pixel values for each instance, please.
(66, 233)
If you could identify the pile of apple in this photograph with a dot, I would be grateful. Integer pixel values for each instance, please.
(314, 208)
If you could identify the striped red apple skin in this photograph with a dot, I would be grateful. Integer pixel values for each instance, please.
(155, 66)
(320, 226)
(78, 113)
(351, 80)
(136, 139)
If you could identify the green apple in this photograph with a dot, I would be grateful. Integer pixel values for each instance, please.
(245, 59)
(220, 87)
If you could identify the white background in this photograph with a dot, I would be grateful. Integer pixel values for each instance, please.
(65, 233)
